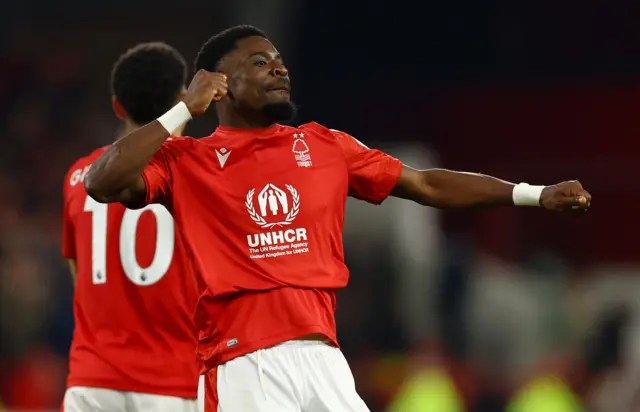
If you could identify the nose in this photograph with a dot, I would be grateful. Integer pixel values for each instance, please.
(280, 70)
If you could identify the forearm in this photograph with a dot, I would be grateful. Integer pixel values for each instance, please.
(450, 189)
(119, 169)
(122, 164)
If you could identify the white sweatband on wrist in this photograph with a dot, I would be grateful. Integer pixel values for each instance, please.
(175, 117)
(527, 195)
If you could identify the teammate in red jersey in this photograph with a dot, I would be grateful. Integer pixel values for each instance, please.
(262, 209)
(135, 339)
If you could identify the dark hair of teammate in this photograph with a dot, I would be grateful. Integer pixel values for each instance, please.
(146, 81)
(259, 86)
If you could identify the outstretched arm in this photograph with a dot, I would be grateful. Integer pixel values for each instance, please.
(449, 189)
(116, 176)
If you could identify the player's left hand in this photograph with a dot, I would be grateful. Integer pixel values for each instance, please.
(566, 197)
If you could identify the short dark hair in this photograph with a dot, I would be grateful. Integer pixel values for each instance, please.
(222, 43)
(147, 80)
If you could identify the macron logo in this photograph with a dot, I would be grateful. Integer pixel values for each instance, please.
(223, 155)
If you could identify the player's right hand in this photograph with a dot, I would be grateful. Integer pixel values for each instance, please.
(206, 87)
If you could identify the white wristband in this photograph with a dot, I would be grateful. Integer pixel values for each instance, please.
(527, 195)
(175, 117)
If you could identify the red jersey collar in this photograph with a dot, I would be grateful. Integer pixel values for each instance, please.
(258, 132)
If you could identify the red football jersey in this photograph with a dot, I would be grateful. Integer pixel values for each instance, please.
(262, 211)
(135, 295)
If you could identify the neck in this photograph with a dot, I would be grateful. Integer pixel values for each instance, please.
(243, 120)
(129, 127)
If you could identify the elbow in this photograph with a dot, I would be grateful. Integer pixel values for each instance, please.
(426, 193)
(417, 187)
(434, 191)
(437, 199)
(94, 189)
(431, 199)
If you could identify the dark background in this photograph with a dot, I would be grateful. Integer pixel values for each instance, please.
(468, 307)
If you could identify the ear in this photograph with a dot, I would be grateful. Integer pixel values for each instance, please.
(118, 109)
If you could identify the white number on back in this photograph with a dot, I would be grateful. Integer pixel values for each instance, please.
(165, 243)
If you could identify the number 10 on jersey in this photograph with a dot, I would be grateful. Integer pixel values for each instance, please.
(165, 243)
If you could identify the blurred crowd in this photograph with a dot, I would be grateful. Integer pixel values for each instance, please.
(443, 312)
(419, 336)
(48, 120)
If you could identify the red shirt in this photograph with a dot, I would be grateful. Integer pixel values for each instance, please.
(262, 211)
(135, 295)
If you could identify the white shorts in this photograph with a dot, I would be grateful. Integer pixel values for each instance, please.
(83, 399)
(296, 376)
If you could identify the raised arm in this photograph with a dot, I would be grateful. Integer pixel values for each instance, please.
(116, 176)
(449, 189)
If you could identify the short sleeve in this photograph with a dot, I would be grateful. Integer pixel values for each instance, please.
(157, 178)
(372, 174)
(68, 234)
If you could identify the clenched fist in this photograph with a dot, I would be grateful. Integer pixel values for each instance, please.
(206, 87)
(566, 197)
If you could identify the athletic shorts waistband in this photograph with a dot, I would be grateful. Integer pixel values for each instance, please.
(305, 343)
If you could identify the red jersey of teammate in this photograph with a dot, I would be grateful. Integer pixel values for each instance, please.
(136, 291)
(262, 211)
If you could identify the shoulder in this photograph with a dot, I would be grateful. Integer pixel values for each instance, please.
(317, 128)
(75, 173)
(349, 144)
(179, 142)
(334, 134)
(176, 146)
(88, 159)
(320, 131)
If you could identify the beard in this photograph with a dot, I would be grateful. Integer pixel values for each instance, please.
(280, 111)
